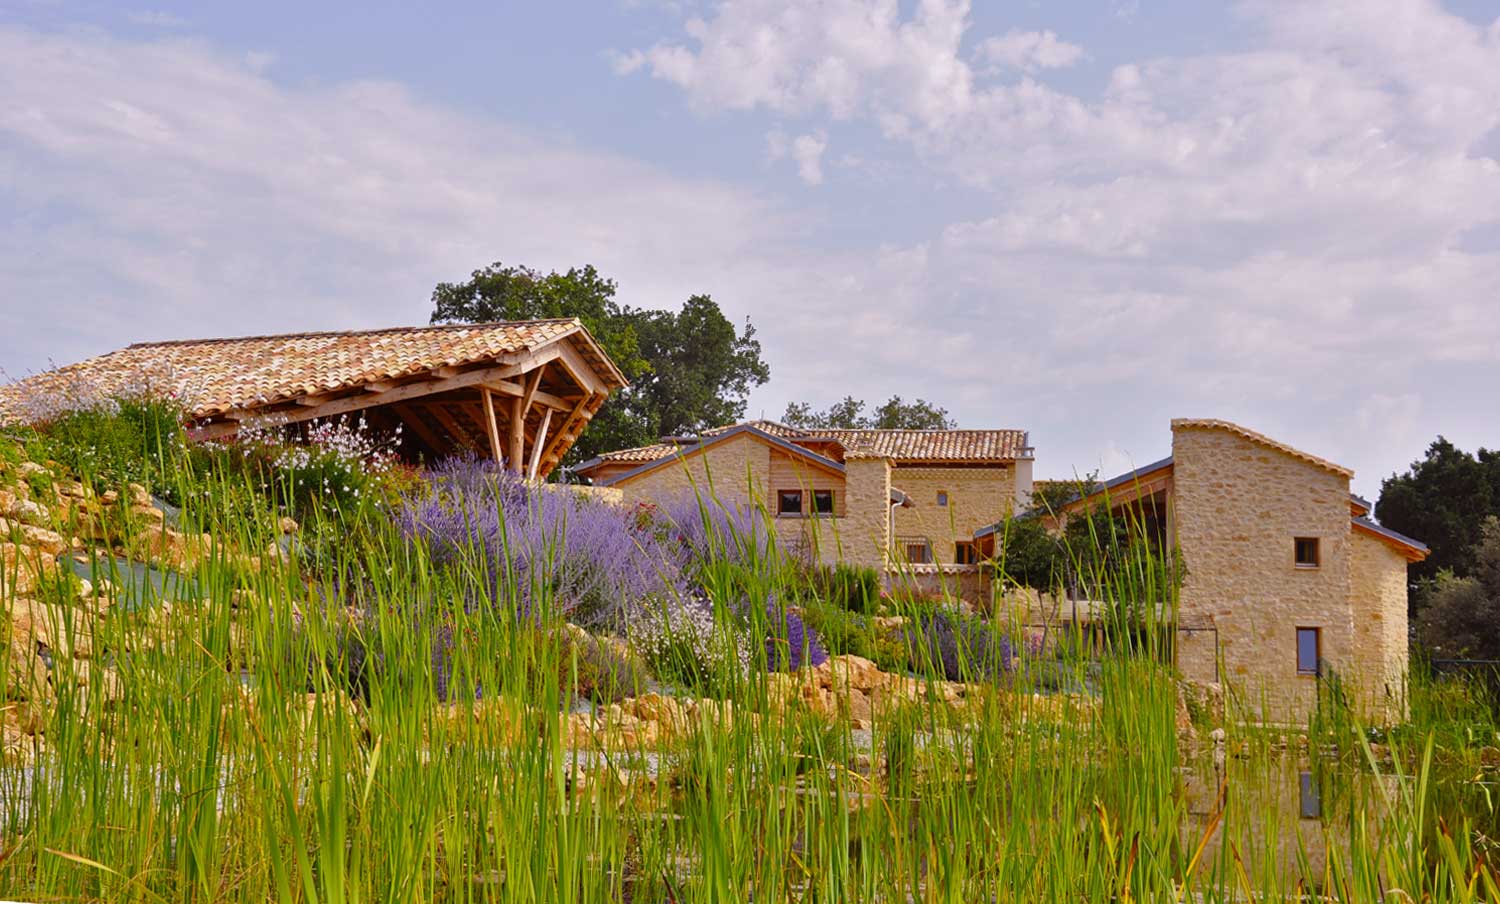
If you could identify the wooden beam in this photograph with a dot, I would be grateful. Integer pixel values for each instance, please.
(401, 393)
(506, 388)
(517, 434)
(536, 444)
(532, 386)
(412, 418)
(554, 448)
(380, 386)
(492, 425)
(538, 358)
(460, 435)
(580, 370)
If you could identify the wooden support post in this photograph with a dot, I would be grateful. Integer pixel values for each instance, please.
(491, 424)
(517, 434)
(538, 443)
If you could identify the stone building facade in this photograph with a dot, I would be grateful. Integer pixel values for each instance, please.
(1288, 582)
(904, 501)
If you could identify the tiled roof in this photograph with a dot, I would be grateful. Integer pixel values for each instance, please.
(216, 375)
(1415, 550)
(1261, 439)
(677, 452)
(900, 445)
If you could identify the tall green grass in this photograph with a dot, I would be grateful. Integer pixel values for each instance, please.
(232, 762)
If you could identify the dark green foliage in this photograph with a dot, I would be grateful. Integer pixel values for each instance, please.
(850, 587)
(848, 414)
(702, 369)
(1461, 618)
(599, 671)
(689, 369)
(851, 633)
(1443, 500)
(1029, 555)
(130, 440)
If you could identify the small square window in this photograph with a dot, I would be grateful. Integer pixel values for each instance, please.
(919, 553)
(823, 502)
(1309, 651)
(789, 502)
(1305, 551)
(942, 499)
(965, 553)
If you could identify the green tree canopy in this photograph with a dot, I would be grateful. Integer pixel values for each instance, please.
(848, 414)
(1443, 500)
(1461, 617)
(689, 369)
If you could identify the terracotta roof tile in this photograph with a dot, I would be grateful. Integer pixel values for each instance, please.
(1260, 439)
(217, 375)
(899, 445)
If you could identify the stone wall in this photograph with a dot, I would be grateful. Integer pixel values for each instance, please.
(865, 538)
(1239, 505)
(736, 469)
(976, 497)
(1378, 596)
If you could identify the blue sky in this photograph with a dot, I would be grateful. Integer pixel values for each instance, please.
(1079, 218)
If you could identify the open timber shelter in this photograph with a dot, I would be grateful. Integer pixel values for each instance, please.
(523, 390)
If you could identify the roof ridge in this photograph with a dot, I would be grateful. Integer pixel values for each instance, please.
(318, 334)
(1262, 439)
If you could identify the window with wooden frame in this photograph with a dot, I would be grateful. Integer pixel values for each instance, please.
(1309, 650)
(822, 502)
(788, 503)
(1305, 552)
(918, 552)
(965, 553)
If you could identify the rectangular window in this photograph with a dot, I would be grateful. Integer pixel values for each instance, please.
(1309, 651)
(1309, 798)
(823, 502)
(965, 553)
(1305, 550)
(919, 553)
(789, 502)
(942, 499)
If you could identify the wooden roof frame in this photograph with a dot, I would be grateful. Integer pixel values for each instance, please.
(518, 415)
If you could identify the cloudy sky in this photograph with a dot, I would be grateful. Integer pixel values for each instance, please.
(1079, 217)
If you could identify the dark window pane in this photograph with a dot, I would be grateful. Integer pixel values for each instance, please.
(823, 502)
(1309, 798)
(790, 502)
(942, 498)
(1307, 651)
(1307, 550)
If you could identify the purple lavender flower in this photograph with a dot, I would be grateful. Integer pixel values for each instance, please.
(541, 547)
(792, 643)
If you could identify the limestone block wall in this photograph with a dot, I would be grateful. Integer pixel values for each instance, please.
(1239, 505)
(737, 469)
(865, 535)
(1378, 583)
(976, 497)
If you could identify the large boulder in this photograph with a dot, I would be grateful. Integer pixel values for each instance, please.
(22, 568)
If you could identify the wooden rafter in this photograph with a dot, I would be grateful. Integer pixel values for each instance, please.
(491, 425)
(536, 444)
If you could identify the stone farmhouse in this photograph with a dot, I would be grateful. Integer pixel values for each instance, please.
(1287, 577)
(867, 497)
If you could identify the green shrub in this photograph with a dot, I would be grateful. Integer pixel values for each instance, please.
(850, 587)
(119, 441)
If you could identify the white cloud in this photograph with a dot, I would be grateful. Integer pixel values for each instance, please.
(1027, 51)
(165, 189)
(807, 151)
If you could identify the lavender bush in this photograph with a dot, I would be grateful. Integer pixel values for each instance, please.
(791, 643)
(542, 547)
(962, 647)
(713, 530)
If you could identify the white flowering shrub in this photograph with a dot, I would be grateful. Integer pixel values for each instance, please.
(682, 642)
(324, 465)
